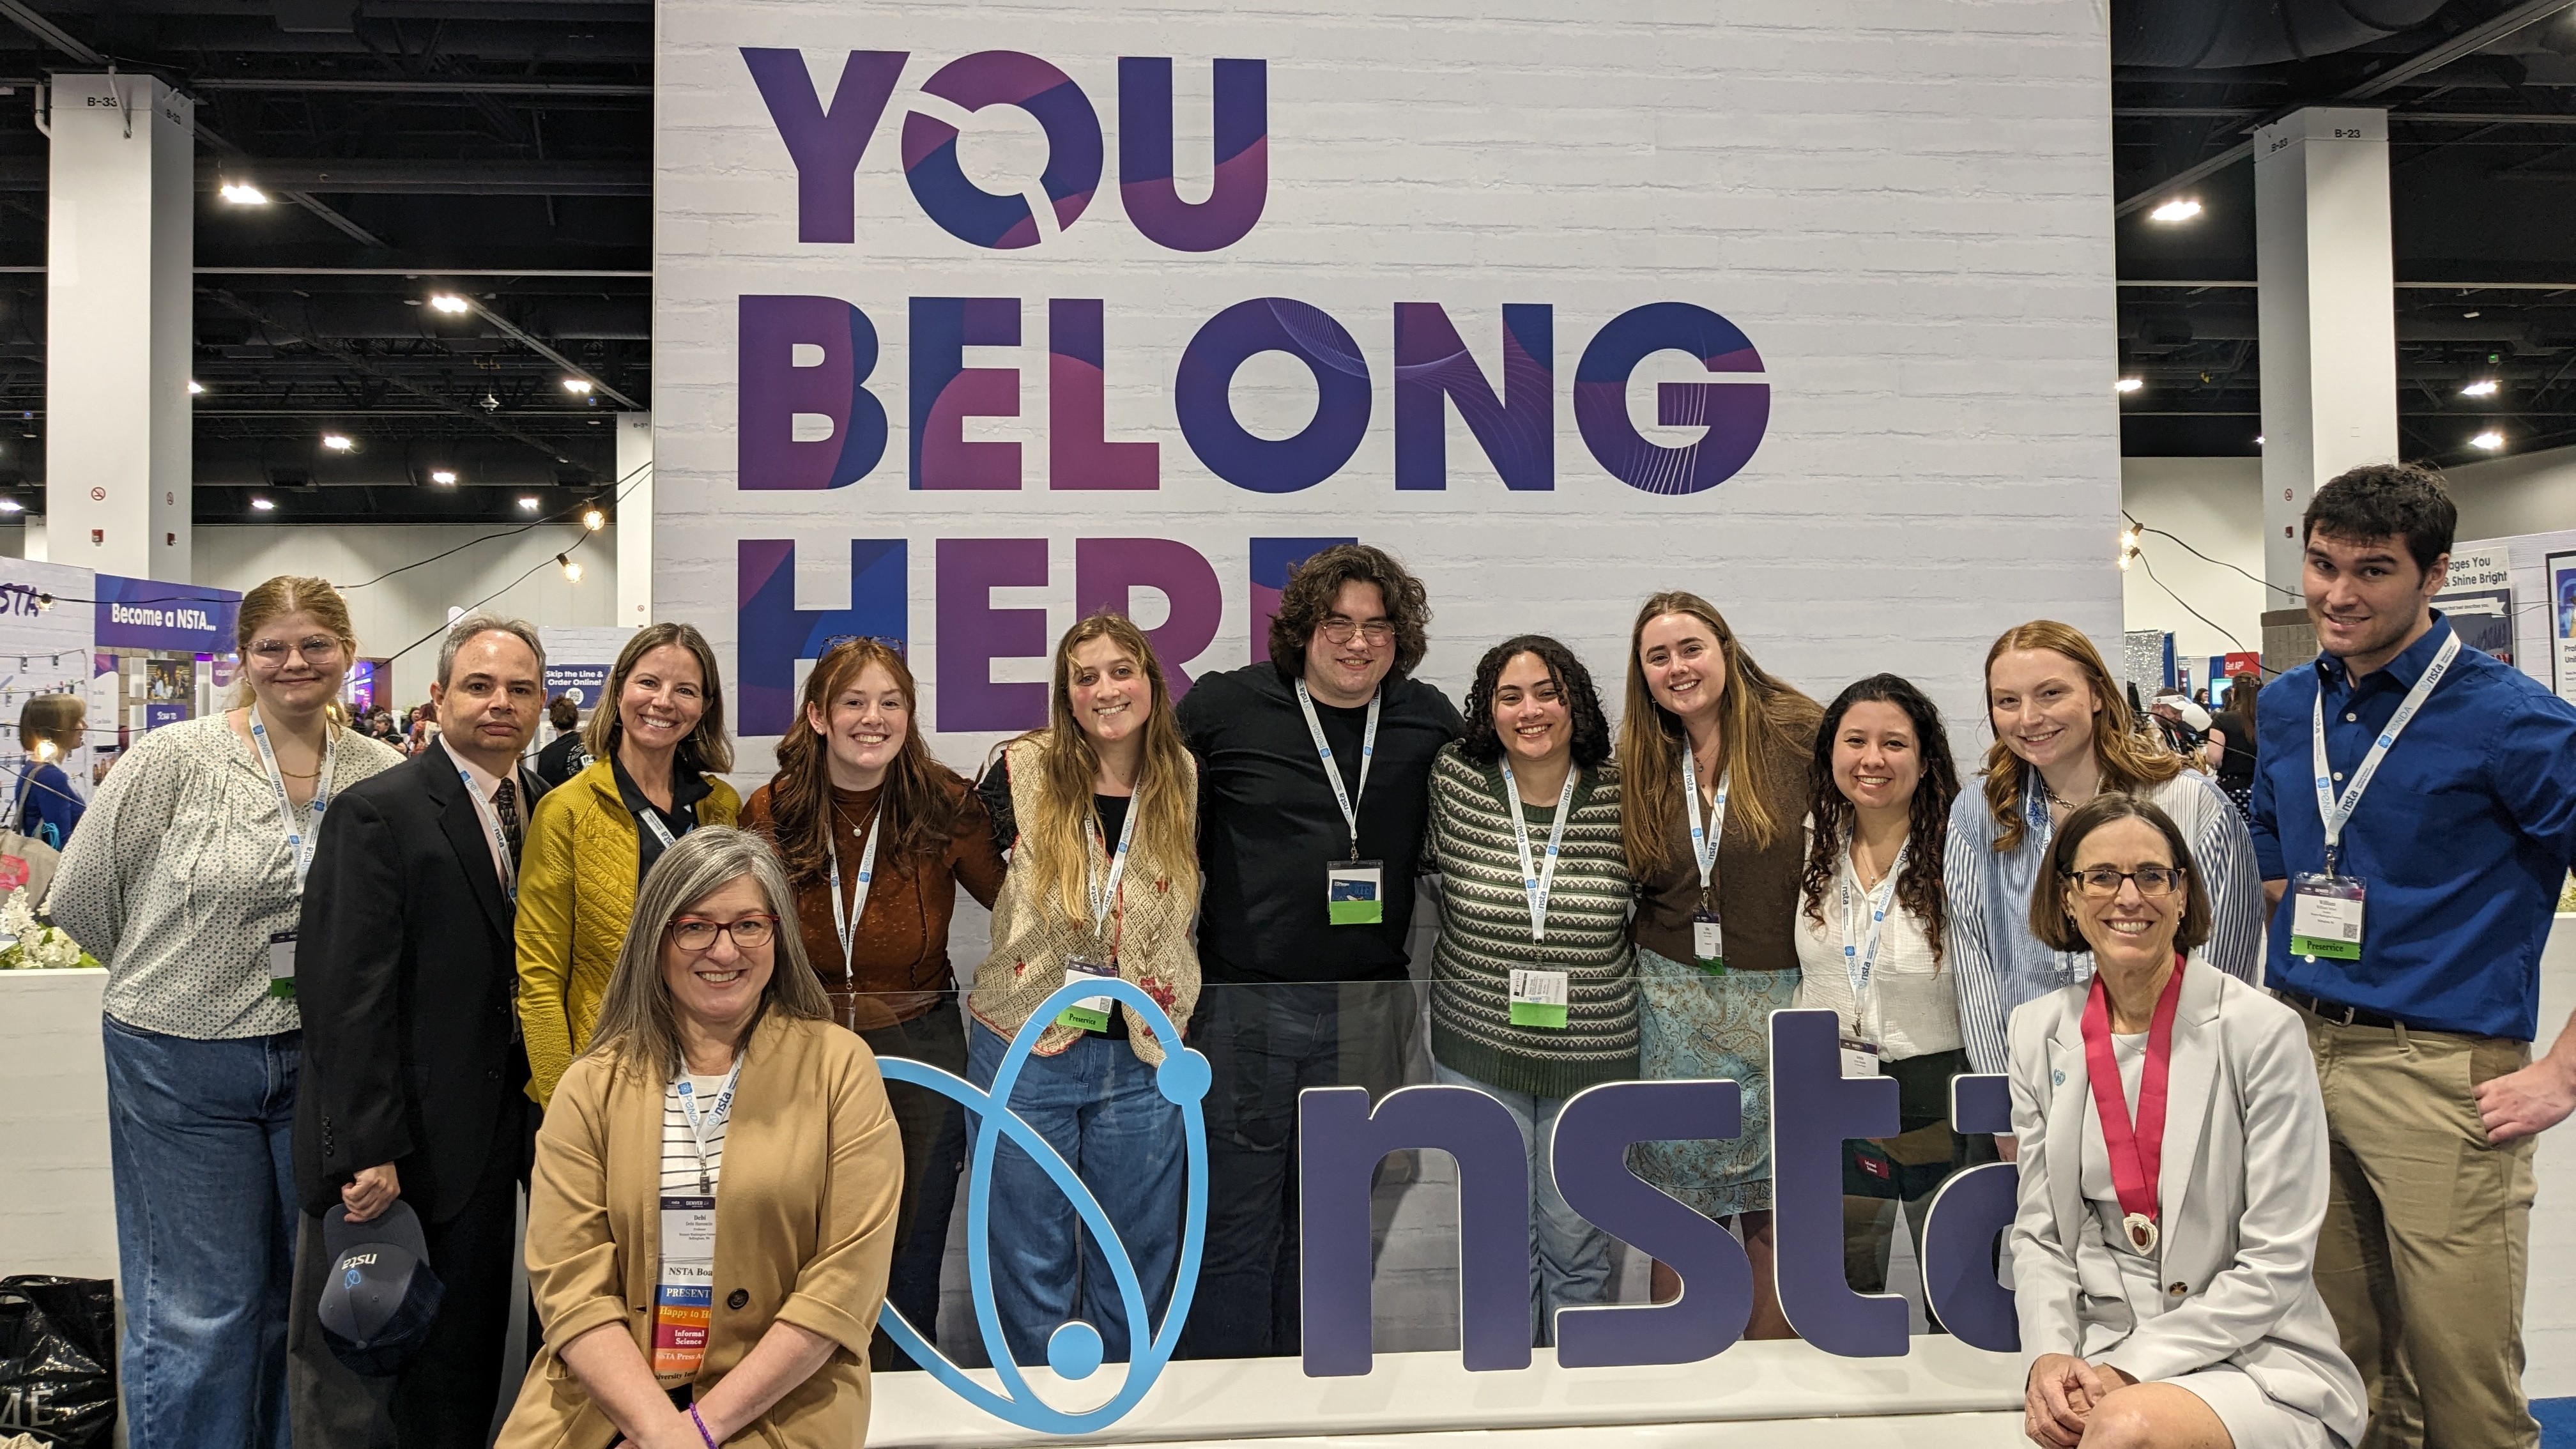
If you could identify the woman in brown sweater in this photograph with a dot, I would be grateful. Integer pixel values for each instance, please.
(1713, 755)
(877, 837)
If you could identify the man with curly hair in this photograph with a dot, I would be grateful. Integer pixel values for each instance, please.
(1314, 773)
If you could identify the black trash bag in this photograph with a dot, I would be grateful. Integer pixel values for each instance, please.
(58, 1360)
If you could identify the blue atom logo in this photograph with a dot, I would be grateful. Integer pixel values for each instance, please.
(1075, 1350)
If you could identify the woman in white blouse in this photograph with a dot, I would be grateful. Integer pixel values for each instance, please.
(1869, 950)
(185, 878)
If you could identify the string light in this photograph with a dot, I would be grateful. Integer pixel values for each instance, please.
(593, 519)
(2128, 545)
(571, 570)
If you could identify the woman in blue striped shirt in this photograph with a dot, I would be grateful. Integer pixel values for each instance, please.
(2063, 734)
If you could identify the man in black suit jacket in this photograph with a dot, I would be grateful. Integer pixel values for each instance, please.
(413, 1072)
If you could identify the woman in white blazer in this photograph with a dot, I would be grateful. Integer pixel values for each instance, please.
(2166, 1238)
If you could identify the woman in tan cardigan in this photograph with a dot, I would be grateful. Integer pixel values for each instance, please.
(694, 1296)
(1100, 813)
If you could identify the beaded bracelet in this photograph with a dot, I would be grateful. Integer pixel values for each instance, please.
(703, 1432)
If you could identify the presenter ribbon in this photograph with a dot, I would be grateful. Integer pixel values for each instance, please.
(2137, 1155)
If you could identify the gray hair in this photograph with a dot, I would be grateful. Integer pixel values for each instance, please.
(637, 1028)
(462, 632)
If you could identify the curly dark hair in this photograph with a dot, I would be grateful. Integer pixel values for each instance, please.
(2380, 500)
(1315, 583)
(1920, 889)
(1573, 684)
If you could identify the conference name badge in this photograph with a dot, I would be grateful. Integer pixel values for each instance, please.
(1708, 943)
(1538, 998)
(684, 1297)
(281, 965)
(2325, 917)
(1860, 1058)
(1091, 1013)
(1351, 892)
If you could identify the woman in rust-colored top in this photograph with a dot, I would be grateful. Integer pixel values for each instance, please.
(877, 837)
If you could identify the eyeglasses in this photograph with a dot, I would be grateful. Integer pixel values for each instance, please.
(694, 934)
(320, 649)
(837, 640)
(2102, 882)
(1375, 631)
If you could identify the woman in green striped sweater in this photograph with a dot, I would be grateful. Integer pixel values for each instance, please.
(1533, 994)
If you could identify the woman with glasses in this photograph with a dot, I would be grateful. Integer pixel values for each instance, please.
(2064, 734)
(723, 1153)
(2173, 1171)
(1869, 950)
(658, 755)
(1713, 777)
(186, 878)
(877, 837)
(1099, 811)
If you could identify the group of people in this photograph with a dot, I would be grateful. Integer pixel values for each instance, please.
(347, 987)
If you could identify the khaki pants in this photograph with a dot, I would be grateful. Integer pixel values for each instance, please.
(2427, 1235)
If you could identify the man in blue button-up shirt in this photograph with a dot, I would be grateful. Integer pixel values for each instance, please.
(2460, 842)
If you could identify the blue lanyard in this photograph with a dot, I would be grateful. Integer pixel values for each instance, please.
(299, 844)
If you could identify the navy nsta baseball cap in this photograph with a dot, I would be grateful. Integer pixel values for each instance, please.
(381, 1296)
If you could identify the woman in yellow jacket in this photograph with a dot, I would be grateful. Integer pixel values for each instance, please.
(713, 1207)
(658, 751)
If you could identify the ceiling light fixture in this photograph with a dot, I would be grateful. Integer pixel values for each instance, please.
(2181, 208)
(450, 303)
(2258, 440)
(337, 442)
(571, 570)
(263, 505)
(442, 475)
(593, 519)
(577, 386)
(2129, 384)
(2483, 387)
(12, 505)
(242, 193)
(195, 387)
(2489, 440)
(529, 504)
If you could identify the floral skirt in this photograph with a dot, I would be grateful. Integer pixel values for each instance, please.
(1694, 1025)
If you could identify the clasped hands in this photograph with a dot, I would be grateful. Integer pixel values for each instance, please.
(2061, 1394)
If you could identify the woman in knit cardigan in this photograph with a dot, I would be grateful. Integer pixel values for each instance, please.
(1099, 812)
(1533, 989)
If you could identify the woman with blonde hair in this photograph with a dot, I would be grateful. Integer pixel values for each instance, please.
(1713, 756)
(2064, 734)
(187, 878)
(658, 755)
(877, 837)
(1100, 813)
(718, 1117)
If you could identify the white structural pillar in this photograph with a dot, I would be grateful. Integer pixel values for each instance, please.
(2328, 317)
(120, 268)
(634, 519)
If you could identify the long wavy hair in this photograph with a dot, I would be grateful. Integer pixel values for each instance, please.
(918, 808)
(1767, 721)
(1050, 847)
(638, 1028)
(708, 747)
(1927, 827)
(1318, 581)
(1573, 684)
(2129, 761)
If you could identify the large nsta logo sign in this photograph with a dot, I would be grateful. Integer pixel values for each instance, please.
(813, 416)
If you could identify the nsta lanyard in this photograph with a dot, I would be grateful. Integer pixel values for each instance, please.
(491, 818)
(1347, 799)
(299, 843)
(1104, 894)
(847, 927)
(1857, 960)
(1536, 879)
(1703, 842)
(2337, 813)
(717, 1111)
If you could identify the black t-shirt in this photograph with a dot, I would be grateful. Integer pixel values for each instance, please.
(2236, 766)
(688, 787)
(1269, 826)
(557, 763)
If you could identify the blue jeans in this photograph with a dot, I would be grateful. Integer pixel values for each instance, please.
(1097, 1105)
(1569, 1257)
(200, 1133)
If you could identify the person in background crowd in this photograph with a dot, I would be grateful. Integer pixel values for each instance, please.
(566, 756)
(659, 751)
(1713, 768)
(1533, 985)
(413, 1070)
(877, 837)
(1869, 950)
(185, 878)
(2411, 898)
(2182, 723)
(2234, 745)
(724, 1153)
(45, 808)
(1314, 768)
(2162, 1255)
(424, 728)
(1100, 813)
(2062, 736)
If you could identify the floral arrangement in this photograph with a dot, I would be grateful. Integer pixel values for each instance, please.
(38, 946)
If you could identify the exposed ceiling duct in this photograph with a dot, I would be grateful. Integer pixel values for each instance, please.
(2217, 34)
